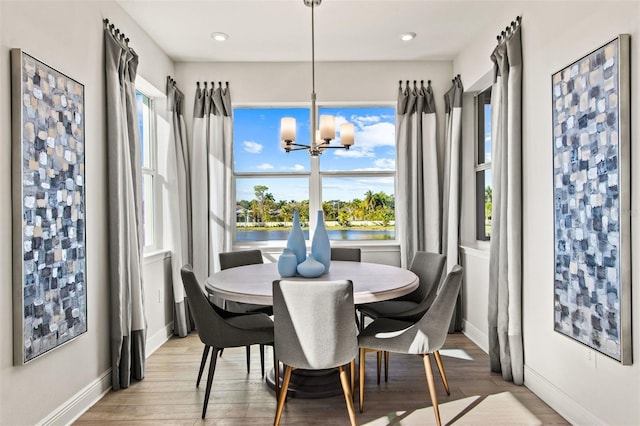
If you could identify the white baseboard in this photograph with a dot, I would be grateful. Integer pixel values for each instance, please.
(158, 339)
(475, 335)
(75, 406)
(573, 412)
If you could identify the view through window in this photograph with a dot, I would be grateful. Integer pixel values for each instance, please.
(148, 162)
(357, 185)
(484, 191)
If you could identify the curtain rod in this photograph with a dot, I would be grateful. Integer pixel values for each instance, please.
(212, 84)
(115, 31)
(415, 82)
(509, 28)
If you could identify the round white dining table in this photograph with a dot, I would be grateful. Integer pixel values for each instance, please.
(372, 282)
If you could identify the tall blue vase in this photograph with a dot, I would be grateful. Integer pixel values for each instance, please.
(296, 239)
(320, 247)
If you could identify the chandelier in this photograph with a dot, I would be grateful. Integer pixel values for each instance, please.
(320, 138)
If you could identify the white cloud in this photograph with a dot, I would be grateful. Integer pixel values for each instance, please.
(295, 168)
(385, 163)
(264, 166)
(365, 120)
(353, 153)
(252, 147)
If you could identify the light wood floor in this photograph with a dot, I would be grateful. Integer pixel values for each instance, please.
(168, 394)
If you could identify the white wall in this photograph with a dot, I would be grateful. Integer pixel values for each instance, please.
(585, 387)
(276, 84)
(67, 36)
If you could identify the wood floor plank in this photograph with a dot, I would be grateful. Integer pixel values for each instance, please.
(168, 394)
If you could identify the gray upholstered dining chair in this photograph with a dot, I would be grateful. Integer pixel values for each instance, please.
(428, 267)
(219, 329)
(422, 337)
(348, 254)
(234, 259)
(314, 330)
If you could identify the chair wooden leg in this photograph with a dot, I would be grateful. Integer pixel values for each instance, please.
(262, 359)
(361, 379)
(283, 394)
(248, 348)
(346, 389)
(379, 359)
(212, 369)
(205, 353)
(386, 366)
(445, 382)
(432, 386)
(352, 373)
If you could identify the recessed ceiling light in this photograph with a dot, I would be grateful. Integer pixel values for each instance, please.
(219, 36)
(408, 36)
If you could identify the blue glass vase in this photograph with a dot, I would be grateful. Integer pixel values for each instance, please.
(287, 263)
(320, 246)
(295, 241)
(310, 268)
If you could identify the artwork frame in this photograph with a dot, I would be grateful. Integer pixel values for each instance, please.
(591, 101)
(48, 208)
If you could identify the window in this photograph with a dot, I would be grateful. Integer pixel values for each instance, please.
(149, 169)
(483, 166)
(355, 187)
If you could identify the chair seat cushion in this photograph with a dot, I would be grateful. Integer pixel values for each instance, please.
(387, 308)
(252, 322)
(392, 335)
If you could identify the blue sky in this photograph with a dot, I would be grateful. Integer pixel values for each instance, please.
(257, 149)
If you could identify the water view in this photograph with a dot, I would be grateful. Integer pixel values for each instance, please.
(334, 234)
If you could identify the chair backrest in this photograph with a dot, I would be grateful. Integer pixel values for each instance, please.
(346, 254)
(234, 259)
(435, 322)
(212, 328)
(428, 267)
(314, 323)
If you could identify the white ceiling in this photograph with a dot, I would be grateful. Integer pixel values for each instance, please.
(346, 30)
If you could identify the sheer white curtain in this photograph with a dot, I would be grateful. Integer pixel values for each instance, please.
(505, 267)
(452, 186)
(128, 326)
(179, 182)
(213, 213)
(417, 185)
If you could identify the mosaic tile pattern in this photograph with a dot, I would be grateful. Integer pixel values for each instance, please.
(586, 198)
(53, 208)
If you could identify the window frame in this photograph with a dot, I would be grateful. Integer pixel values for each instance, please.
(152, 171)
(481, 167)
(315, 174)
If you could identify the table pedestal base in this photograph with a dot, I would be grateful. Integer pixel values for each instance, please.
(310, 383)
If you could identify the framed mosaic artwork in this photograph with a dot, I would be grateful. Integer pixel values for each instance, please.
(592, 211)
(48, 203)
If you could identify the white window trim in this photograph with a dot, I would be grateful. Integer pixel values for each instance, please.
(315, 177)
(148, 90)
(479, 167)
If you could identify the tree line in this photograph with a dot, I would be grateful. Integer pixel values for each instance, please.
(374, 206)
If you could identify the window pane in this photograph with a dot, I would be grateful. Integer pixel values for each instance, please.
(256, 140)
(144, 123)
(147, 209)
(484, 197)
(359, 208)
(264, 207)
(374, 147)
(484, 126)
